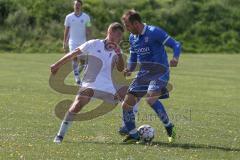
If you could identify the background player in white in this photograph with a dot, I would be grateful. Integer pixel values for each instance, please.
(76, 32)
(103, 55)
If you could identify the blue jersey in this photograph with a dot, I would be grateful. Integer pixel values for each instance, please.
(148, 48)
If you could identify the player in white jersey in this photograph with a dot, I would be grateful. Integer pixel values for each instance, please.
(103, 56)
(77, 31)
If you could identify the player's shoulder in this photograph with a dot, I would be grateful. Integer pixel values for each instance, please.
(84, 14)
(90, 44)
(94, 41)
(155, 31)
(70, 15)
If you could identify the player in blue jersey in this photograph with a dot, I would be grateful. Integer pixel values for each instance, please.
(147, 49)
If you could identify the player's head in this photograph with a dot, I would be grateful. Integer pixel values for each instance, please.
(115, 32)
(77, 5)
(132, 21)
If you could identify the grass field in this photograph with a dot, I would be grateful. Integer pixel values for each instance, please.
(204, 105)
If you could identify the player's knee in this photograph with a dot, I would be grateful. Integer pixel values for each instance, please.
(151, 100)
(74, 109)
(76, 106)
(126, 106)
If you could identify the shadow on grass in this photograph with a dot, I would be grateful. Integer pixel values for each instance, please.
(166, 145)
(195, 146)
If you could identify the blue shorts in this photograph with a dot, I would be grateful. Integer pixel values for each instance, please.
(142, 85)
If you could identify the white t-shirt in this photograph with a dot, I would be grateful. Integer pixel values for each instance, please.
(77, 32)
(100, 63)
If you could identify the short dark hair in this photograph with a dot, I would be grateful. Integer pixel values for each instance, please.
(80, 1)
(132, 16)
(116, 26)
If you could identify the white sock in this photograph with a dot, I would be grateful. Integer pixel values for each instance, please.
(75, 70)
(65, 124)
(81, 67)
(64, 127)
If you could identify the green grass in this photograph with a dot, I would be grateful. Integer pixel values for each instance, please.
(204, 106)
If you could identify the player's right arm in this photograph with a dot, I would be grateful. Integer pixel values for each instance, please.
(66, 38)
(131, 65)
(71, 55)
(66, 33)
(132, 61)
(67, 57)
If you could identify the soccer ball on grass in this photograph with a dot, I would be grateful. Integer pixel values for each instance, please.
(146, 133)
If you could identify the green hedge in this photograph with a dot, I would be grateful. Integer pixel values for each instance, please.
(201, 26)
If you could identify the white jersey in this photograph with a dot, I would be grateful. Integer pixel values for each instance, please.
(100, 62)
(77, 32)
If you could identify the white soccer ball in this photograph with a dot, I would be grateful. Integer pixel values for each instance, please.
(146, 133)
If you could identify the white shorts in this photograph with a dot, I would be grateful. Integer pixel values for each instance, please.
(103, 91)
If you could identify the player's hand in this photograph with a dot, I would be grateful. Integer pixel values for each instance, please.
(65, 45)
(54, 69)
(174, 62)
(126, 72)
(117, 50)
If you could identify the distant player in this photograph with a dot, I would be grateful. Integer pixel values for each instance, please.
(147, 47)
(77, 31)
(103, 56)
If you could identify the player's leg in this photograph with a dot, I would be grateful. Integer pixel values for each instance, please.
(129, 118)
(77, 67)
(152, 99)
(80, 101)
(76, 71)
(82, 65)
(123, 129)
(136, 91)
(121, 93)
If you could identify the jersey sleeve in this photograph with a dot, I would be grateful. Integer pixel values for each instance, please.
(67, 21)
(131, 65)
(165, 39)
(161, 36)
(85, 47)
(175, 45)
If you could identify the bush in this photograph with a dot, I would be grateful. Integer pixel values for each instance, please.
(201, 26)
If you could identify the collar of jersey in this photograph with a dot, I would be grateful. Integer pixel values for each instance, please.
(105, 43)
(144, 29)
(79, 15)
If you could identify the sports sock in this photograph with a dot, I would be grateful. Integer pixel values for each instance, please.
(81, 67)
(129, 120)
(67, 121)
(76, 70)
(135, 111)
(162, 114)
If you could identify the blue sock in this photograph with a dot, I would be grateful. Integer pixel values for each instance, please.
(162, 114)
(129, 119)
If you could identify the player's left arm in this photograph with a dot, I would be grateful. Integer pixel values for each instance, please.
(88, 28)
(176, 46)
(168, 41)
(88, 33)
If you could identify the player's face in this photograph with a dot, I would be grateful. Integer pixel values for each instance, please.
(131, 27)
(77, 6)
(115, 36)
